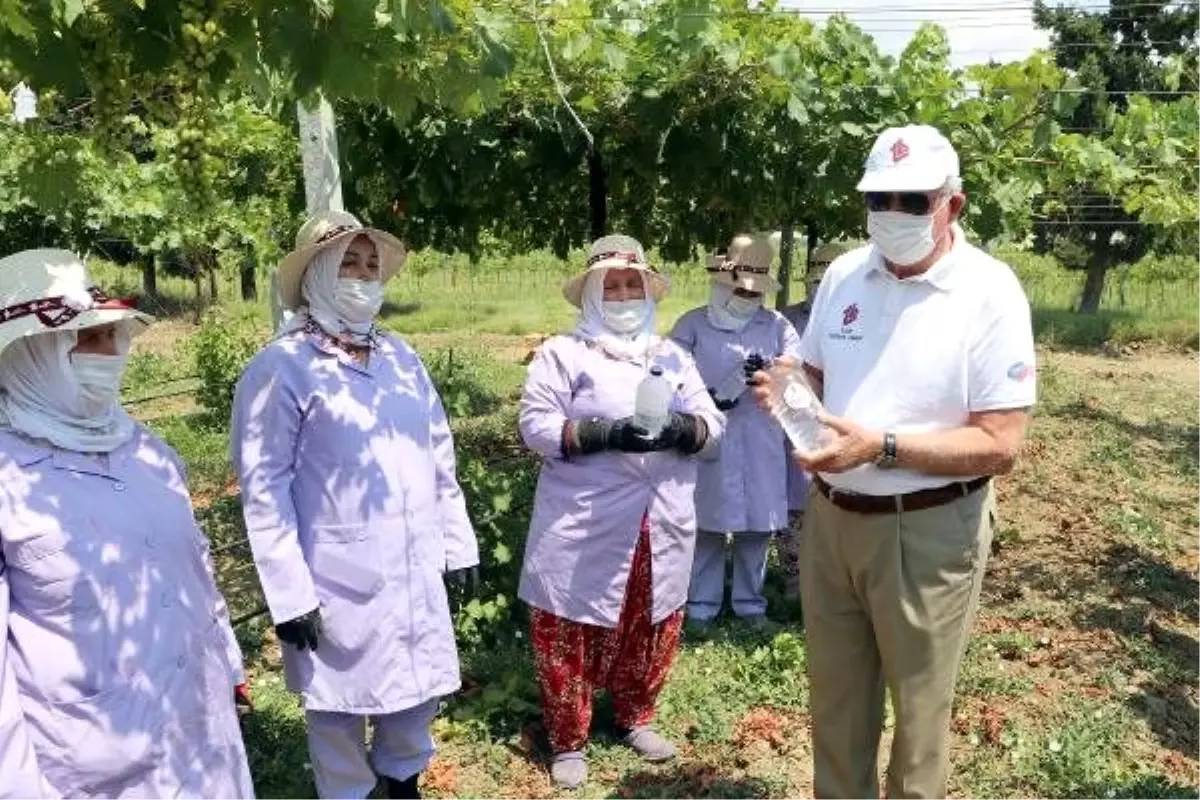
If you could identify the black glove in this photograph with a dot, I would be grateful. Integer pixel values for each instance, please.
(301, 632)
(755, 362)
(594, 435)
(462, 585)
(722, 405)
(630, 438)
(682, 433)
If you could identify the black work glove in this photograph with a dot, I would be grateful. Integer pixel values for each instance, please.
(462, 585)
(630, 438)
(301, 632)
(682, 433)
(756, 363)
(722, 405)
(594, 435)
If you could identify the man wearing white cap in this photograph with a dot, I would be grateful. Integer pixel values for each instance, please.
(922, 349)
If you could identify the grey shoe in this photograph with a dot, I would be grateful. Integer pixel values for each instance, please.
(650, 744)
(569, 770)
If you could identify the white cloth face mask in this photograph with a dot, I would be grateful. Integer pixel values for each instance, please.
(624, 316)
(743, 307)
(902, 238)
(99, 378)
(357, 301)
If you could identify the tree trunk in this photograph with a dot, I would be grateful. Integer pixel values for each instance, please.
(597, 192)
(249, 286)
(1093, 287)
(787, 247)
(149, 275)
(198, 279)
(210, 265)
(810, 244)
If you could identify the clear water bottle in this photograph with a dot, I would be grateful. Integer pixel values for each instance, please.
(794, 404)
(653, 404)
(732, 385)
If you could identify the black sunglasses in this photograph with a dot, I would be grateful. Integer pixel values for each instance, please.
(915, 203)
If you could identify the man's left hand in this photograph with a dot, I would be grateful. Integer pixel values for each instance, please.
(852, 446)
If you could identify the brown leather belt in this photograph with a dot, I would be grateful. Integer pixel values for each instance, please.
(897, 503)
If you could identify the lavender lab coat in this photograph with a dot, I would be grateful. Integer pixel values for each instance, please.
(588, 509)
(745, 488)
(798, 478)
(351, 502)
(117, 661)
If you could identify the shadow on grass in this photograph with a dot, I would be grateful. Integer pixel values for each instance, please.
(1181, 443)
(1071, 329)
(688, 780)
(278, 748)
(390, 309)
(1142, 585)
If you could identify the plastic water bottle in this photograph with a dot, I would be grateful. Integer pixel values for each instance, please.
(793, 403)
(731, 387)
(653, 403)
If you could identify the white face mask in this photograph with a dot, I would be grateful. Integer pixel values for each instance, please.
(743, 307)
(357, 301)
(903, 239)
(99, 379)
(624, 316)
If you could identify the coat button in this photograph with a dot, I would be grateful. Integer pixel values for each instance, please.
(166, 600)
(118, 487)
(150, 542)
(179, 662)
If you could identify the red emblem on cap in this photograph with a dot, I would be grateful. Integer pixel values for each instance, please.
(849, 314)
(899, 151)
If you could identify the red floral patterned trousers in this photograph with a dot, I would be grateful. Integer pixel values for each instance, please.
(631, 661)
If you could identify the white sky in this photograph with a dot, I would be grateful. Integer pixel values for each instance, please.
(979, 30)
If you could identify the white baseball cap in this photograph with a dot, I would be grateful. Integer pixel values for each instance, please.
(915, 158)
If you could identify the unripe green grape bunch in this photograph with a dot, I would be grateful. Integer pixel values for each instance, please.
(202, 36)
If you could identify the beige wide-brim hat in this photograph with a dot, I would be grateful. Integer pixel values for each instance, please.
(829, 252)
(746, 265)
(326, 229)
(616, 252)
(49, 290)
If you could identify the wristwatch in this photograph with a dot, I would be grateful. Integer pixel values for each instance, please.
(887, 458)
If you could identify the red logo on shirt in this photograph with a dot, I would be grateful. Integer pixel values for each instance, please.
(899, 151)
(849, 314)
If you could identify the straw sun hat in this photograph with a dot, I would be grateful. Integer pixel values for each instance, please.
(746, 264)
(49, 290)
(325, 229)
(616, 252)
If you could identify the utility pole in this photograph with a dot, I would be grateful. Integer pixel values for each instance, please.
(322, 175)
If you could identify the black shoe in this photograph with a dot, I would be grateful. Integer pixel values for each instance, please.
(405, 789)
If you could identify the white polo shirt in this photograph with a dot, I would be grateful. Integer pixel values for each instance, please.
(918, 355)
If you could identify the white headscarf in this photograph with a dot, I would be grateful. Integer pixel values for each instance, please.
(40, 398)
(593, 327)
(718, 309)
(319, 288)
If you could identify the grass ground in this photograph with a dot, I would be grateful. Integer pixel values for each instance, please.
(1080, 681)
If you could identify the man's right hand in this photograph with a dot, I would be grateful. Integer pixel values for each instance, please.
(302, 632)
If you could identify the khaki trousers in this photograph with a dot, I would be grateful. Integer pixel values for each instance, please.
(889, 599)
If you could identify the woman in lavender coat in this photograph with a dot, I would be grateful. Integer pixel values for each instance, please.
(118, 666)
(353, 512)
(743, 492)
(610, 541)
